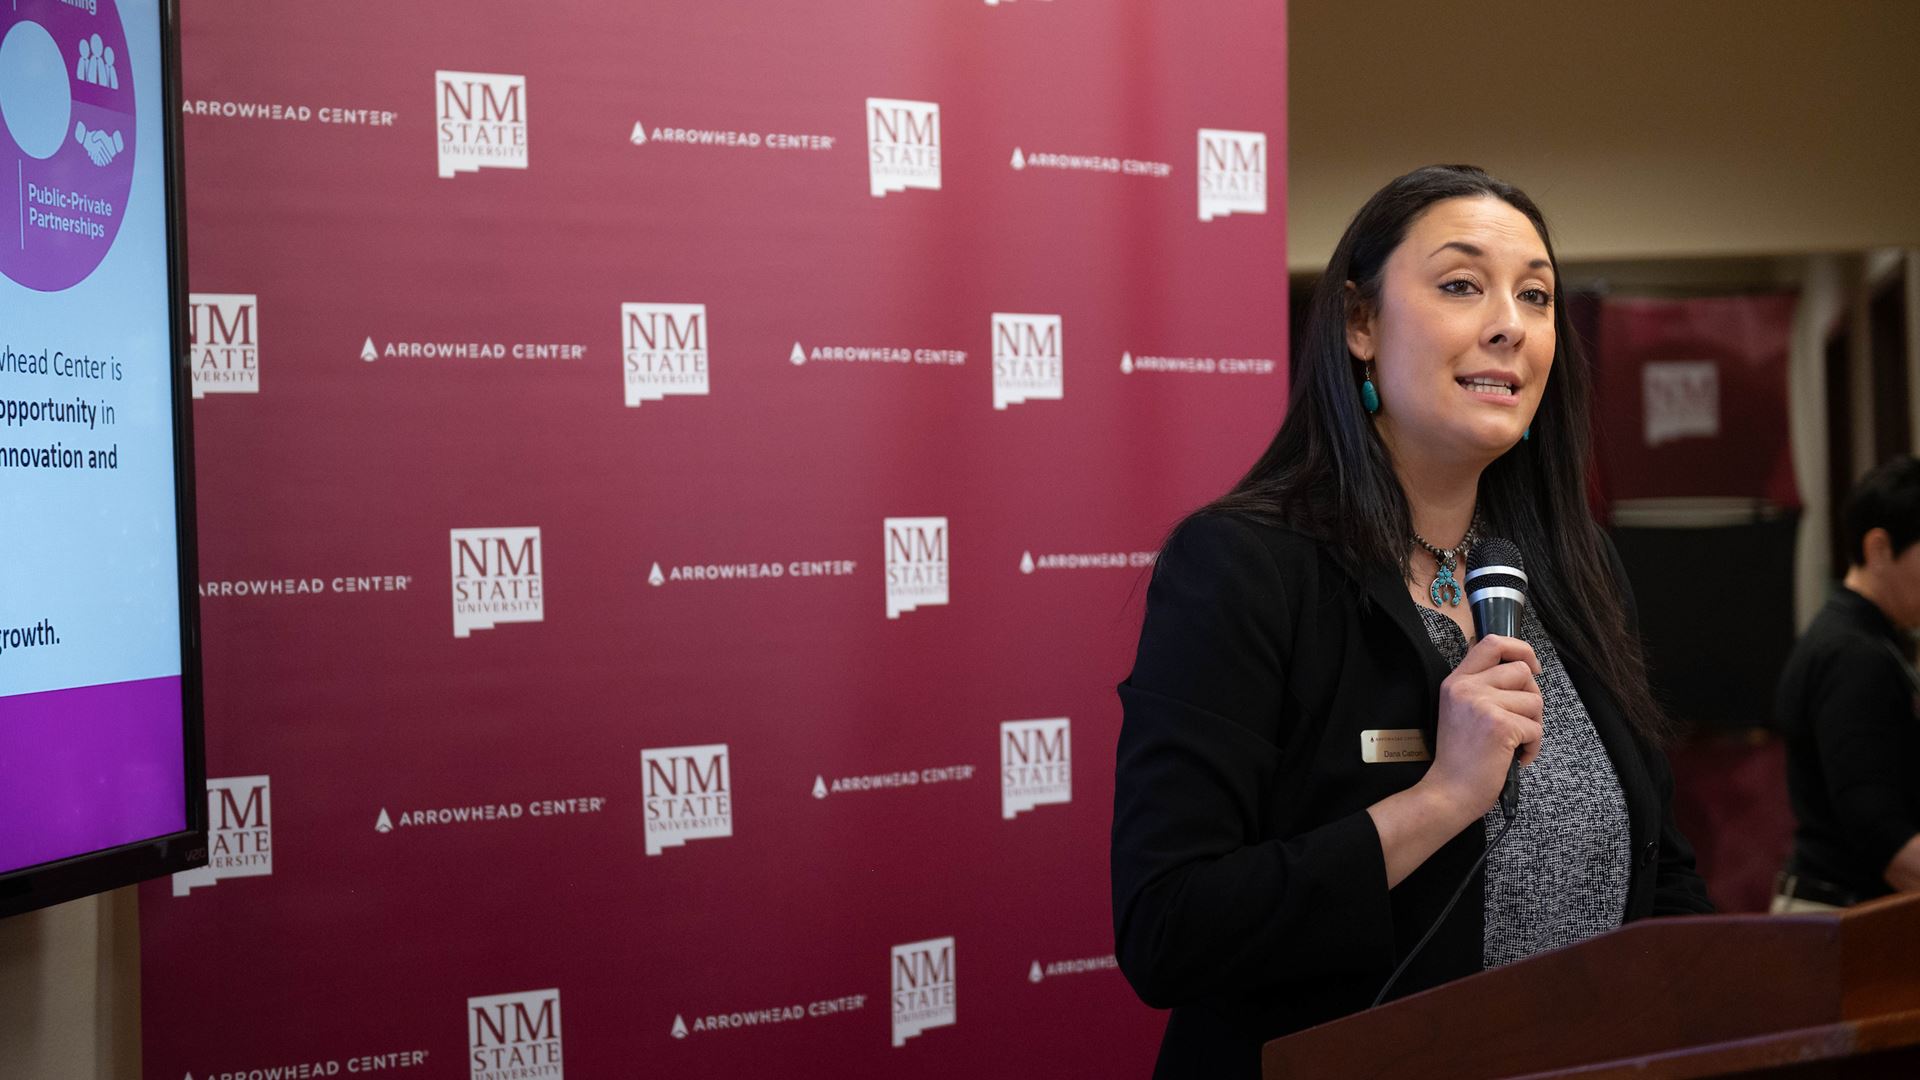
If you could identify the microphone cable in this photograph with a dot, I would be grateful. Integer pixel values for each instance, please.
(1497, 600)
(1444, 912)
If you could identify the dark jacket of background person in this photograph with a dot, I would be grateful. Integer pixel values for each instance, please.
(1847, 709)
(1249, 889)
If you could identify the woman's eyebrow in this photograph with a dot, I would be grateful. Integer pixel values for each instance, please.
(1475, 252)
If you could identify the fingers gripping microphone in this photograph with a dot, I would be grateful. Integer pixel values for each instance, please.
(1497, 591)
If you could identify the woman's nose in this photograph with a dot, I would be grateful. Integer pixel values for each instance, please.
(1506, 330)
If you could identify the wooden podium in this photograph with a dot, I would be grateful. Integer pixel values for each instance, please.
(1830, 994)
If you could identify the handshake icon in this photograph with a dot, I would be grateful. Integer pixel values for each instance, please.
(100, 146)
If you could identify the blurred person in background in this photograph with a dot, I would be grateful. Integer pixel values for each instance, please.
(1849, 706)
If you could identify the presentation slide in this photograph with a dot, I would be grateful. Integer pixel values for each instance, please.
(90, 673)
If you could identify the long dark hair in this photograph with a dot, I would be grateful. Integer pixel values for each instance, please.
(1328, 475)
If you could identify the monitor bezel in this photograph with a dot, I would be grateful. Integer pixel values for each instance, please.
(44, 884)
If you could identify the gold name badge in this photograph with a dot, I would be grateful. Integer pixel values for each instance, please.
(1382, 745)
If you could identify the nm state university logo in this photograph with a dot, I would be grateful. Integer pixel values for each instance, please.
(689, 794)
(1027, 359)
(1036, 764)
(1233, 173)
(903, 145)
(482, 121)
(225, 343)
(917, 563)
(514, 1036)
(496, 578)
(664, 349)
(239, 833)
(923, 987)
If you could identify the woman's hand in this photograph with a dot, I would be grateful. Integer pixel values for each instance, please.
(1490, 708)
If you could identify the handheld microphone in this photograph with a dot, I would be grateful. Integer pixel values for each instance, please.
(1497, 591)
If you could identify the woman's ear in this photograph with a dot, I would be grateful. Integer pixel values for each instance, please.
(1359, 324)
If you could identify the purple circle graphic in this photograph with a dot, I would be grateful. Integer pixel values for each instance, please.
(68, 204)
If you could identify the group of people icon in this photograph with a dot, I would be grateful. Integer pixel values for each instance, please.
(96, 64)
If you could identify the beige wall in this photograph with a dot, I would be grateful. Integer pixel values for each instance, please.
(1825, 293)
(70, 991)
(1644, 128)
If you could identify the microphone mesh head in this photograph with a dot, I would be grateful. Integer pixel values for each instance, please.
(1494, 562)
(1495, 551)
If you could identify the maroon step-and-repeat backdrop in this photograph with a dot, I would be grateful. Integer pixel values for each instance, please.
(677, 486)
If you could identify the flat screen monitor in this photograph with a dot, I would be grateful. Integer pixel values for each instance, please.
(102, 779)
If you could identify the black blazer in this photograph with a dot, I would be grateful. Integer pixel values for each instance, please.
(1249, 888)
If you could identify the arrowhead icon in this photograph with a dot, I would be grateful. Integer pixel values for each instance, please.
(383, 824)
(798, 356)
(819, 787)
(1126, 363)
(368, 352)
(1034, 975)
(656, 578)
(639, 136)
(1019, 159)
(679, 1027)
(1026, 562)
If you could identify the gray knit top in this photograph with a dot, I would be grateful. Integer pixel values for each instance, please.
(1561, 877)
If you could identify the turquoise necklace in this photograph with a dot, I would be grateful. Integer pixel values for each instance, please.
(1446, 587)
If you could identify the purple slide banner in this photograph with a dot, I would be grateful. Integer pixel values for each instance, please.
(89, 768)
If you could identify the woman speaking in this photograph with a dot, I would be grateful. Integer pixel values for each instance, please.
(1314, 744)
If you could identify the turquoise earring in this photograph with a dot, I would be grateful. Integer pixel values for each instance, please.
(1527, 434)
(1369, 397)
